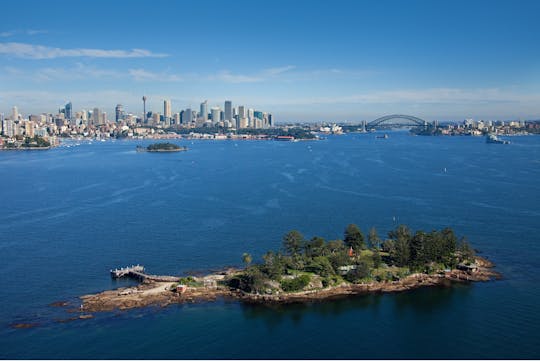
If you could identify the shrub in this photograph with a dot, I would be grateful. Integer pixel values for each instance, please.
(295, 284)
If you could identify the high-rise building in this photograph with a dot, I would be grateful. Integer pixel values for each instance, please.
(188, 116)
(15, 113)
(177, 119)
(204, 111)
(156, 117)
(96, 116)
(119, 110)
(144, 109)
(228, 111)
(69, 111)
(167, 108)
(216, 115)
(242, 112)
(29, 129)
(8, 127)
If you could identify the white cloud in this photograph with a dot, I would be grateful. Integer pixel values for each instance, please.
(228, 77)
(278, 70)
(145, 75)
(6, 34)
(36, 32)
(31, 51)
(77, 72)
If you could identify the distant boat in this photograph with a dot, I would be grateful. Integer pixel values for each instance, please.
(491, 138)
(384, 136)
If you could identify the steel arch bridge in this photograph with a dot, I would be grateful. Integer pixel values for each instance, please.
(414, 121)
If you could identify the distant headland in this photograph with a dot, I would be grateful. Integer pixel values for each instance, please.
(315, 269)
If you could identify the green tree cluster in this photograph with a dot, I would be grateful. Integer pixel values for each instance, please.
(332, 261)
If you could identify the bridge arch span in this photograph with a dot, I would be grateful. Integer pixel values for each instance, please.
(413, 119)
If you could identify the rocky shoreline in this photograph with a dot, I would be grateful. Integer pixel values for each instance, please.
(160, 293)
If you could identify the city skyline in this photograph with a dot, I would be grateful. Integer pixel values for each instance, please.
(315, 61)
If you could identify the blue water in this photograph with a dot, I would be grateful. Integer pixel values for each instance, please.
(68, 215)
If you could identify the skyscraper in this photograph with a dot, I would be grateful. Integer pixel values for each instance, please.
(242, 112)
(204, 110)
(96, 116)
(69, 111)
(119, 110)
(228, 111)
(188, 116)
(216, 113)
(167, 108)
(15, 113)
(144, 108)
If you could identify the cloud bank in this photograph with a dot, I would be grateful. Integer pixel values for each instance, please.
(31, 51)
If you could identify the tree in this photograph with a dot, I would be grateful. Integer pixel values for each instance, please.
(254, 280)
(373, 238)
(361, 272)
(388, 246)
(376, 259)
(418, 256)
(320, 265)
(247, 259)
(334, 246)
(465, 249)
(314, 247)
(354, 237)
(402, 237)
(274, 265)
(293, 242)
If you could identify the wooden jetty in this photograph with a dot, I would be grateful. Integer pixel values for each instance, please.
(138, 272)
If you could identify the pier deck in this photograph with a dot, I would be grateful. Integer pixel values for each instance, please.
(138, 272)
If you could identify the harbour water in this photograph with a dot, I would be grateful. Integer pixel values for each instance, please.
(70, 214)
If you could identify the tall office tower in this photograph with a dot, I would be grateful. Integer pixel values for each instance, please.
(270, 120)
(15, 113)
(188, 116)
(69, 111)
(7, 127)
(156, 117)
(96, 116)
(167, 108)
(216, 113)
(228, 111)
(103, 118)
(144, 108)
(84, 115)
(29, 129)
(251, 117)
(204, 111)
(119, 110)
(242, 112)
(177, 119)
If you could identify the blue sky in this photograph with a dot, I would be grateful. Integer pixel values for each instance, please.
(300, 60)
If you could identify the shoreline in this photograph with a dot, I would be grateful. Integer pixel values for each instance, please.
(159, 293)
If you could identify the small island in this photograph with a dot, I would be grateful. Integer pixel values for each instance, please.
(162, 147)
(314, 269)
